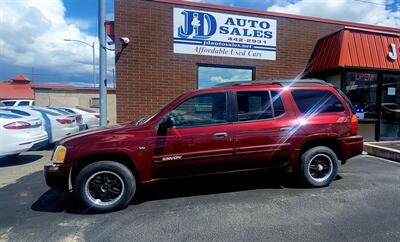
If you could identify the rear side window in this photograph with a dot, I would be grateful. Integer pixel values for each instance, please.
(9, 103)
(317, 101)
(19, 112)
(46, 111)
(69, 110)
(60, 110)
(258, 105)
(23, 103)
(9, 116)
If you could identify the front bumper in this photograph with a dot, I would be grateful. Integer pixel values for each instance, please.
(351, 146)
(58, 176)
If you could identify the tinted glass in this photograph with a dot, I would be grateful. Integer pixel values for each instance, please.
(317, 101)
(46, 111)
(23, 103)
(9, 116)
(277, 103)
(254, 105)
(9, 103)
(19, 112)
(207, 109)
(60, 110)
(68, 110)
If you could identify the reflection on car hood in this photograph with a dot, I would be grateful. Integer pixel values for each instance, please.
(93, 131)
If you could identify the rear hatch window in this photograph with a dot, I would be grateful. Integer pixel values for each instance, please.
(312, 102)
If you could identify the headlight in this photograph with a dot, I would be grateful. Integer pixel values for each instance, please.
(59, 154)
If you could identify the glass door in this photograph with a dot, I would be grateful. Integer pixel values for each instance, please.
(390, 108)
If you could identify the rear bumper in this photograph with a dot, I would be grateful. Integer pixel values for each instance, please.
(351, 146)
(57, 176)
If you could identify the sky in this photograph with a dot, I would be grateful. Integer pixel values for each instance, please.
(32, 32)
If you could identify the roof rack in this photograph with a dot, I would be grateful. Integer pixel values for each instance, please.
(283, 83)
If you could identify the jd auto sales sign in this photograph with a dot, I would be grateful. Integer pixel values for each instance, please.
(227, 35)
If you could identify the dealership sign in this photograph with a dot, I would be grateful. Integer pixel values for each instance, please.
(216, 34)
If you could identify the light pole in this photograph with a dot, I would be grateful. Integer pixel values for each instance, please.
(92, 46)
(102, 62)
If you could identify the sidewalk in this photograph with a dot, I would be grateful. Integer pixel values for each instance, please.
(386, 149)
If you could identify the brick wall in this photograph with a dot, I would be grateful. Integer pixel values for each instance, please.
(149, 74)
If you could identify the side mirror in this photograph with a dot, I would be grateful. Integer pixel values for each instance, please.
(167, 123)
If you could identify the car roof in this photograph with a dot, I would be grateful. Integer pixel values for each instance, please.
(261, 84)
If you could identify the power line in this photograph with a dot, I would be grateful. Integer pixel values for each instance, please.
(364, 1)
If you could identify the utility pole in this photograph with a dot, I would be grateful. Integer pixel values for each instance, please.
(103, 63)
(94, 68)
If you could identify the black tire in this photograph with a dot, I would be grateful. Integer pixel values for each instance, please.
(104, 180)
(318, 166)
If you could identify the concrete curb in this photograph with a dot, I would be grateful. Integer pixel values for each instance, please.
(375, 149)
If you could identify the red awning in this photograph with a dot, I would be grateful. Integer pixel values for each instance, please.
(355, 47)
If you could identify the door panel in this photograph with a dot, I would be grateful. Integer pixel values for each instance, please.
(201, 140)
(193, 150)
(264, 131)
(263, 143)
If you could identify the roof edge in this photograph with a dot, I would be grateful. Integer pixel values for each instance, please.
(277, 14)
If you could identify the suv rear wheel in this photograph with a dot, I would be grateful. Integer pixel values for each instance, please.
(318, 166)
(105, 186)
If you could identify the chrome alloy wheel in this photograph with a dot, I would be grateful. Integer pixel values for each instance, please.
(104, 188)
(320, 167)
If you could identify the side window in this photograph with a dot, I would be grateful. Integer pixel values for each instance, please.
(316, 101)
(277, 104)
(254, 105)
(9, 103)
(23, 103)
(206, 109)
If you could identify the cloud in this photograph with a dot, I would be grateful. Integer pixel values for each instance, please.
(32, 34)
(220, 79)
(80, 23)
(348, 10)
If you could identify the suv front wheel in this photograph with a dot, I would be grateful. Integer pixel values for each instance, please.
(318, 166)
(105, 186)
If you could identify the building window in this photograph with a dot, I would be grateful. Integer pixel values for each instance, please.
(361, 90)
(211, 75)
(94, 102)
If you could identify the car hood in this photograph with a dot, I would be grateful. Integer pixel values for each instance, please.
(95, 131)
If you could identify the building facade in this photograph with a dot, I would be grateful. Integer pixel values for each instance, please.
(176, 46)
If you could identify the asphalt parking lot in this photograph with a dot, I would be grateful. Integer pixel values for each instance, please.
(361, 205)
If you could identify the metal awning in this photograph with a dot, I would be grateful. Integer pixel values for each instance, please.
(356, 48)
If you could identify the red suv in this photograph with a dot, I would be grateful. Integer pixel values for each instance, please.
(307, 126)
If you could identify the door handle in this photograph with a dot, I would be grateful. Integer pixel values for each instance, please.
(221, 135)
(286, 128)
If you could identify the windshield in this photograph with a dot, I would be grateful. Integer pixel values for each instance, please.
(145, 120)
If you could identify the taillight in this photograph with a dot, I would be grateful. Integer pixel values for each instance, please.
(354, 124)
(17, 125)
(64, 121)
(97, 115)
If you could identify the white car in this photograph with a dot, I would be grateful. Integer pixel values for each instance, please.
(90, 118)
(78, 117)
(16, 103)
(19, 134)
(56, 124)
